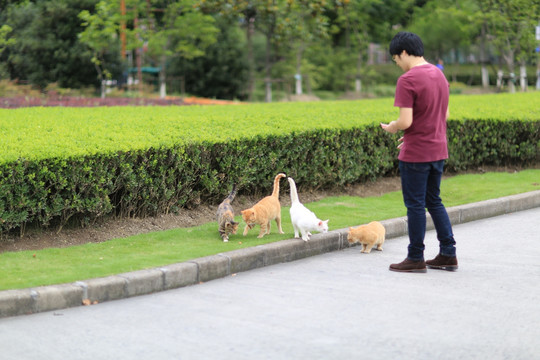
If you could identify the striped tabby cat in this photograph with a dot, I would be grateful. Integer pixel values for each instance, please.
(225, 216)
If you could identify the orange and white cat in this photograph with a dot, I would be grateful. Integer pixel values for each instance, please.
(372, 234)
(264, 211)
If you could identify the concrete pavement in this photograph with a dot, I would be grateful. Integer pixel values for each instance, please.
(50, 298)
(340, 304)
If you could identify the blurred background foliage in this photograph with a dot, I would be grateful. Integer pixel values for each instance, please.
(260, 50)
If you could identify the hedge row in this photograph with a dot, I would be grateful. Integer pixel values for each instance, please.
(51, 192)
(488, 142)
(56, 132)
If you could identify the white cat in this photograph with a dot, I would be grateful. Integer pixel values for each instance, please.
(303, 219)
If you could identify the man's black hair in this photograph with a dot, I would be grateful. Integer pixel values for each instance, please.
(407, 41)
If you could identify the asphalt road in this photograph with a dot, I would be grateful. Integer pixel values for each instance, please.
(342, 304)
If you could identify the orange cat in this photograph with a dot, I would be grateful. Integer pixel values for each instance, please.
(368, 235)
(264, 211)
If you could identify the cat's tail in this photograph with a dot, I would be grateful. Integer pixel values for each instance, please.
(275, 193)
(232, 194)
(294, 193)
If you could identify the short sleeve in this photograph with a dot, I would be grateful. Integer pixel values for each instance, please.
(404, 93)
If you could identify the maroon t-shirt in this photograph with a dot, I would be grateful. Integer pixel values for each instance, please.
(424, 89)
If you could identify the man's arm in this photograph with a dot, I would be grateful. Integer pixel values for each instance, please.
(403, 122)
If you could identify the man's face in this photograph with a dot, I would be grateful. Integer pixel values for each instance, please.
(398, 60)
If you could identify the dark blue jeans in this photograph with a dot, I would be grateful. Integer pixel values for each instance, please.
(420, 183)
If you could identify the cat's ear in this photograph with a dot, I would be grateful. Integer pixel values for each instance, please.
(326, 221)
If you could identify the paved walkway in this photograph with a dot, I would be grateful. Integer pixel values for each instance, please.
(340, 304)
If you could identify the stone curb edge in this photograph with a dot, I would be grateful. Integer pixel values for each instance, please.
(57, 297)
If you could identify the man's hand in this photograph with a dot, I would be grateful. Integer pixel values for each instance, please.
(391, 128)
(400, 141)
(403, 122)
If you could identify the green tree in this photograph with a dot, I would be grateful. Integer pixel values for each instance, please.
(222, 72)
(47, 49)
(387, 17)
(101, 36)
(184, 32)
(273, 19)
(353, 19)
(246, 11)
(510, 25)
(444, 25)
(355, 24)
(303, 25)
(4, 42)
(274, 22)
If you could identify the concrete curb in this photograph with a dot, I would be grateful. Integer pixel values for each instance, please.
(56, 297)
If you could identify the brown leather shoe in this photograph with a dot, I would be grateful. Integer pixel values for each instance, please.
(443, 262)
(409, 266)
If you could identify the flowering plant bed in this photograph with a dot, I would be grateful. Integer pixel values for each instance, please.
(23, 101)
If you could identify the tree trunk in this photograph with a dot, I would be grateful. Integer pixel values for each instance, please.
(358, 80)
(512, 76)
(538, 77)
(358, 85)
(268, 90)
(251, 60)
(485, 76)
(523, 76)
(298, 75)
(298, 87)
(308, 85)
(538, 71)
(268, 70)
(183, 86)
(162, 79)
(138, 59)
(103, 89)
(483, 60)
(101, 79)
(500, 79)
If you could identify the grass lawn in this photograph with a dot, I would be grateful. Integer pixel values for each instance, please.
(63, 265)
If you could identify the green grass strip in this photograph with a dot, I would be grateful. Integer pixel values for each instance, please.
(63, 265)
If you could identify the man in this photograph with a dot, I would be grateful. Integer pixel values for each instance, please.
(422, 97)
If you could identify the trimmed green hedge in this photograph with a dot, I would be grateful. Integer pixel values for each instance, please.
(99, 172)
(473, 143)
